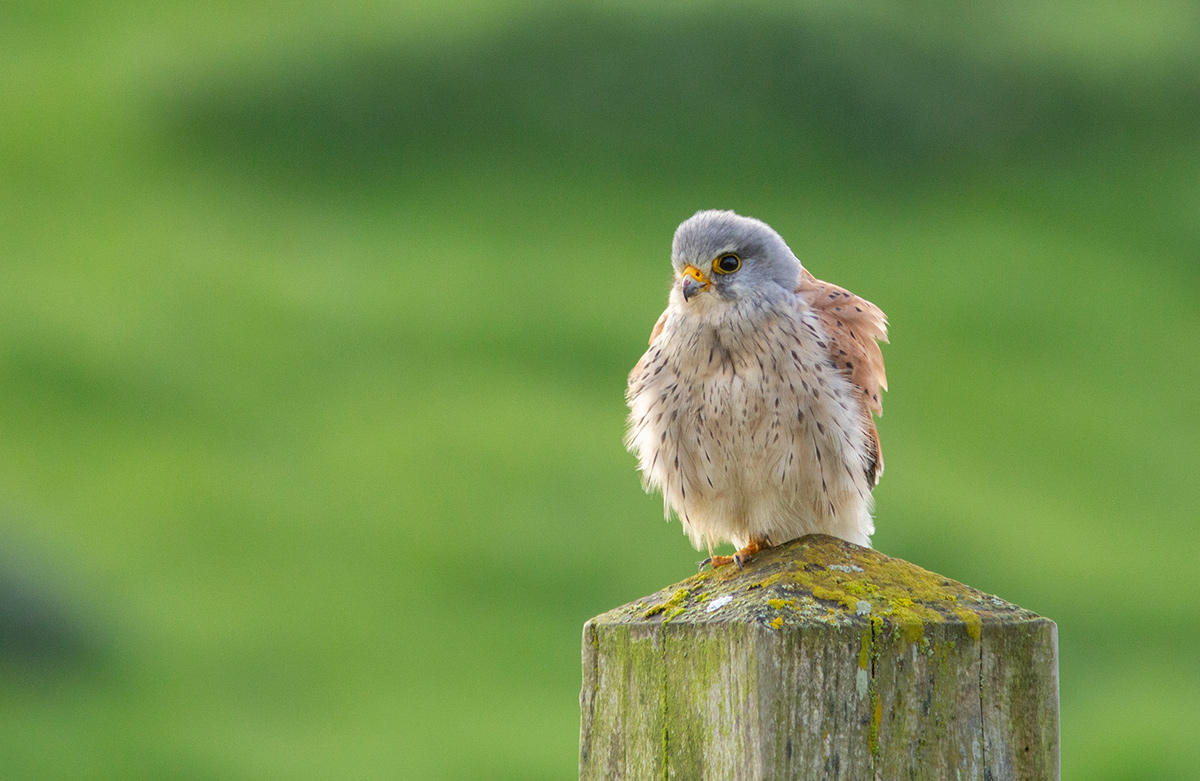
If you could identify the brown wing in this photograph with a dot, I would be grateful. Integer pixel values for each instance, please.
(657, 329)
(855, 327)
(654, 332)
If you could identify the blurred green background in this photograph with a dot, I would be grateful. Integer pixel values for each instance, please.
(315, 319)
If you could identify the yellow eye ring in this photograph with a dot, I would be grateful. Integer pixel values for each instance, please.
(726, 264)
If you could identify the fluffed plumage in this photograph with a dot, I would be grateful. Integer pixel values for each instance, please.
(751, 412)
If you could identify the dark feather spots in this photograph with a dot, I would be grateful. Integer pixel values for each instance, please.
(822, 345)
(800, 415)
(820, 428)
(858, 309)
(824, 488)
(849, 364)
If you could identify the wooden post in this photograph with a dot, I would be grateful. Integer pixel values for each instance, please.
(819, 660)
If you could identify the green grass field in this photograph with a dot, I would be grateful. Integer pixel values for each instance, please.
(315, 320)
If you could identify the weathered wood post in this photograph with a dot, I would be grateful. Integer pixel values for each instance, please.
(820, 659)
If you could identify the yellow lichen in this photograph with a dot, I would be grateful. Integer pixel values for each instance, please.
(779, 604)
(861, 588)
(676, 601)
(777, 622)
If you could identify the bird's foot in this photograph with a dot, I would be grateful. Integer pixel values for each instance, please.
(719, 561)
(741, 557)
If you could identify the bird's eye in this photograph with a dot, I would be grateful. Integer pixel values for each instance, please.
(727, 264)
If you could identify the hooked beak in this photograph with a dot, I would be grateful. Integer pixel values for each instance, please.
(693, 281)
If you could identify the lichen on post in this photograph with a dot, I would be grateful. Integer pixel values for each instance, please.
(820, 659)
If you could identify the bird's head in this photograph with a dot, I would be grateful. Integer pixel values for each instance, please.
(721, 257)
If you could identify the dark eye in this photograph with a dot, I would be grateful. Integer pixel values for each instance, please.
(727, 264)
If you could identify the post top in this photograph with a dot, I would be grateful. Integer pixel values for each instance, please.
(821, 580)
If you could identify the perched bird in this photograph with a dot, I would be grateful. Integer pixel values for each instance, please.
(752, 410)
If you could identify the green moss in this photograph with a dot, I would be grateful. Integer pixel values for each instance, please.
(972, 620)
(823, 579)
(876, 721)
(820, 592)
(847, 601)
(911, 628)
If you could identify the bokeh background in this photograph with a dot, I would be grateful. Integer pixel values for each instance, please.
(315, 319)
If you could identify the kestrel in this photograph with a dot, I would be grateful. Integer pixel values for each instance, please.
(752, 410)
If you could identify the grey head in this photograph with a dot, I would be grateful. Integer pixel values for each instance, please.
(728, 257)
